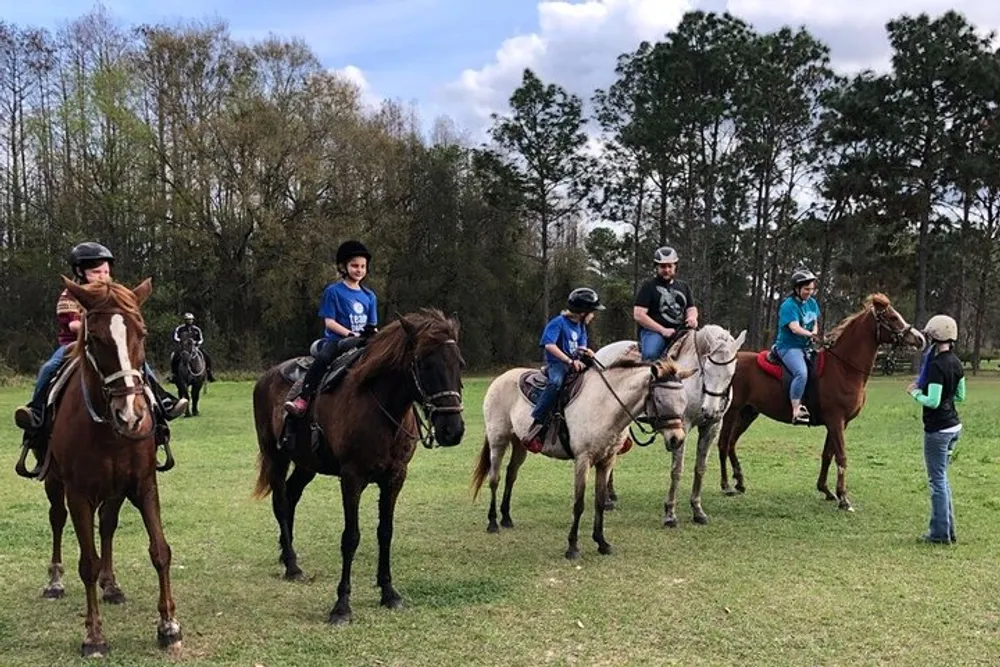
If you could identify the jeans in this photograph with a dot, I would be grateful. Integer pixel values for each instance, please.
(794, 359)
(936, 449)
(556, 374)
(45, 376)
(651, 344)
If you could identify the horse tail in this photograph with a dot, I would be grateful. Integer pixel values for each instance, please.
(482, 468)
(266, 439)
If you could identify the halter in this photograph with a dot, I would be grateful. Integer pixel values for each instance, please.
(425, 430)
(108, 392)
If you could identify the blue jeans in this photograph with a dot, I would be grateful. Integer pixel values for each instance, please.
(794, 359)
(556, 374)
(45, 376)
(651, 345)
(936, 449)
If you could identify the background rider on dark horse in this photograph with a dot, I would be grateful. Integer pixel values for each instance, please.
(188, 328)
(89, 262)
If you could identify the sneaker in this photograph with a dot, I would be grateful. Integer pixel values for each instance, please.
(927, 539)
(802, 416)
(532, 441)
(177, 409)
(296, 407)
(27, 418)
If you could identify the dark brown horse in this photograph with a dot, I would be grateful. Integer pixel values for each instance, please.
(190, 375)
(101, 452)
(849, 355)
(368, 433)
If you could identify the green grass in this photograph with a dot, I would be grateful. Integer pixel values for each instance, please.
(779, 576)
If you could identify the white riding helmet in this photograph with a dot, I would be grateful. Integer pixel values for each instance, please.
(941, 329)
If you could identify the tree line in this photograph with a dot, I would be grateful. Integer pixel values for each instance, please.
(230, 171)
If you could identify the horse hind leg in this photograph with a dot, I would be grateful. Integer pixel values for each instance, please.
(108, 515)
(738, 427)
(285, 501)
(707, 434)
(56, 492)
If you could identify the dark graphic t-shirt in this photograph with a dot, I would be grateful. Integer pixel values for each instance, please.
(666, 302)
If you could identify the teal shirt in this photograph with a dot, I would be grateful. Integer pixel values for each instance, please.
(806, 313)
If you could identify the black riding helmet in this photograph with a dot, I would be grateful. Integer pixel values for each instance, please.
(348, 250)
(584, 300)
(802, 276)
(87, 255)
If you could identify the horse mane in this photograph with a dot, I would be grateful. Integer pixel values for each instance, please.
(388, 349)
(116, 295)
(877, 299)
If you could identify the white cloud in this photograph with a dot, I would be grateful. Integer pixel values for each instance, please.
(357, 77)
(576, 45)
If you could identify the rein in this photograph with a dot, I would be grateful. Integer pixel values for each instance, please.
(896, 342)
(651, 432)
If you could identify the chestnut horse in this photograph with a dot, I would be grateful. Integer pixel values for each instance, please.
(101, 451)
(367, 433)
(849, 355)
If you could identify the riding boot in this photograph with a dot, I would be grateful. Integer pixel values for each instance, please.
(297, 405)
(171, 406)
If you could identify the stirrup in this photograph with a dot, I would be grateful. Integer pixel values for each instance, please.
(802, 416)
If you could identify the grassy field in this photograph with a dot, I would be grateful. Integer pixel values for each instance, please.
(779, 576)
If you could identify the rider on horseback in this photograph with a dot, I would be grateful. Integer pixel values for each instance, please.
(188, 329)
(349, 315)
(89, 262)
(565, 342)
(798, 329)
(663, 306)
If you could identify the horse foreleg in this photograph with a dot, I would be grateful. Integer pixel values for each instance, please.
(707, 434)
(168, 630)
(581, 469)
(82, 512)
(108, 515)
(676, 470)
(291, 493)
(56, 493)
(350, 492)
(195, 395)
(388, 492)
(517, 456)
(604, 469)
(836, 434)
(824, 468)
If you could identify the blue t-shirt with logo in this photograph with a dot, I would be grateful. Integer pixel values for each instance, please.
(565, 333)
(806, 313)
(351, 308)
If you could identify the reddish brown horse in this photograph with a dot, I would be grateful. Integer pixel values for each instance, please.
(101, 452)
(849, 356)
(367, 433)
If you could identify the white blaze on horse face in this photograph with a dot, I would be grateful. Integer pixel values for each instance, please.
(119, 333)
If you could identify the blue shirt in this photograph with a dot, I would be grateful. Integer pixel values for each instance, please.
(351, 308)
(806, 313)
(565, 333)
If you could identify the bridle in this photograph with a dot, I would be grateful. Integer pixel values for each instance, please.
(897, 337)
(108, 392)
(429, 404)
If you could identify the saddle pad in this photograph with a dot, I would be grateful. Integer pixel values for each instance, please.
(775, 370)
(531, 383)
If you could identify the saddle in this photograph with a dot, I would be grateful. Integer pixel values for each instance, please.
(531, 383)
(769, 362)
(294, 370)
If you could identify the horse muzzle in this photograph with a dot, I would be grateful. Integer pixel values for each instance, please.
(449, 427)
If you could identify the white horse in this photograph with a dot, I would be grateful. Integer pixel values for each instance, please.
(607, 401)
(712, 350)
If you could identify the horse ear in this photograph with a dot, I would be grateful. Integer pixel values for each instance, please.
(456, 323)
(684, 374)
(143, 290)
(408, 328)
(741, 339)
(78, 291)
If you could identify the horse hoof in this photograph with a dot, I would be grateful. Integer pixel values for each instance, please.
(610, 506)
(294, 575)
(701, 519)
(729, 491)
(845, 505)
(168, 635)
(99, 650)
(507, 522)
(492, 527)
(53, 592)
(394, 603)
(114, 596)
(339, 618)
(572, 554)
(741, 489)
(604, 549)
(670, 522)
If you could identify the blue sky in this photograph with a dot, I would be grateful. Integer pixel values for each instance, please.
(464, 57)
